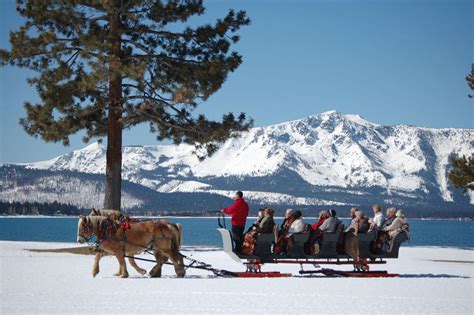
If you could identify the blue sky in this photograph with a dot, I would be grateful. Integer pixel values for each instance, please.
(392, 62)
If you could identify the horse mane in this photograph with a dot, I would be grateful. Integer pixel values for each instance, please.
(107, 212)
(95, 221)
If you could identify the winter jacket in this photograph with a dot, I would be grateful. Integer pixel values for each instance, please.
(296, 227)
(398, 225)
(363, 225)
(378, 220)
(266, 225)
(284, 227)
(352, 226)
(387, 222)
(358, 226)
(239, 211)
(330, 225)
(256, 224)
(317, 225)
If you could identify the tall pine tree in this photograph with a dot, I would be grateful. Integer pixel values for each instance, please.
(462, 172)
(470, 80)
(107, 65)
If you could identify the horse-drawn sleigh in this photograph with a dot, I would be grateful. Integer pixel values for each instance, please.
(123, 237)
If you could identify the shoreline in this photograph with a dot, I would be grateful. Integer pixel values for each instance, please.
(206, 217)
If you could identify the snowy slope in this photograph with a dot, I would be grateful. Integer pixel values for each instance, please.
(328, 152)
(433, 280)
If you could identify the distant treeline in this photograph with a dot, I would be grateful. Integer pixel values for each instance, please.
(36, 208)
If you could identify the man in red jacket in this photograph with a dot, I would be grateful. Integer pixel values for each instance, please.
(239, 212)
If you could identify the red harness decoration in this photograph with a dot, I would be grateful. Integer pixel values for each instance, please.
(125, 221)
(125, 225)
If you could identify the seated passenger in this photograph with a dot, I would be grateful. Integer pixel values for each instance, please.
(352, 215)
(399, 224)
(362, 222)
(295, 225)
(331, 223)
(358, 225)
(390, 217)
(257, 221)
(378, 246)
(323, 215)
(377, 221)
(265, 226)
(286, 222)
(324, 224)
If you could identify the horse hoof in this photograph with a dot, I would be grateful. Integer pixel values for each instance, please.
(142, 272)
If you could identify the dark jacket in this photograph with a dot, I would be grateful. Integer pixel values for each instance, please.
(265, 226)
(363, 225)
(387, 222)
(284, 227)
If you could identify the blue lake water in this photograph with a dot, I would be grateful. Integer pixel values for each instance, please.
(202, 231)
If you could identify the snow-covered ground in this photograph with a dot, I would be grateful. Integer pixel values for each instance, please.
(33, 282)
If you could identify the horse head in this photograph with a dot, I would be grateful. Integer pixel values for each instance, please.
(94, 212)
(84, 229)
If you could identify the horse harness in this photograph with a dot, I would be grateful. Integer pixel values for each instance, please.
(108, 229)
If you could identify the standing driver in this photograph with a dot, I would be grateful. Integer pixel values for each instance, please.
(239, 212)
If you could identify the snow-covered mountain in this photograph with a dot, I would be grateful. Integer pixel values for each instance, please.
(328, 158)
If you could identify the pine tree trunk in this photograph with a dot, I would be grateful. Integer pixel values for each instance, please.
(113, 170)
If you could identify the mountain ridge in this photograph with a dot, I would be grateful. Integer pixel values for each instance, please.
(326, 158)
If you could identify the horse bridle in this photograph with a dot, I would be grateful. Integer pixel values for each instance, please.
(84, 226)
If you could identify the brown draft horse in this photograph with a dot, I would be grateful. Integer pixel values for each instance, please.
(158, 236)
(121, 217)
(112, 215)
